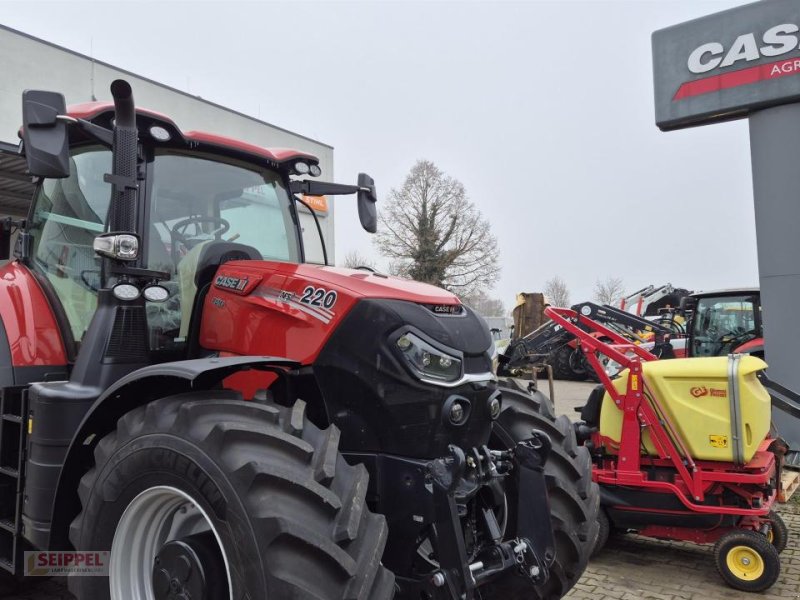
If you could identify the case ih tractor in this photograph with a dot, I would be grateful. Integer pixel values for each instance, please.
(180, 389)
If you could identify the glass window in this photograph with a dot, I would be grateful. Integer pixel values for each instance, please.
(722, 324)
(68, 214)
(197, 201)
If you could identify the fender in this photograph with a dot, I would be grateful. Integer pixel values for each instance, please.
(134, 390)
(754, 346)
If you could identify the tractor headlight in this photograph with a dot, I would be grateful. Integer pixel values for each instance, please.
(121, 246)
(426, 361)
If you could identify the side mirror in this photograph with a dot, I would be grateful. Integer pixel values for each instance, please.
(367, 197)
(44, 134)
(688, 303)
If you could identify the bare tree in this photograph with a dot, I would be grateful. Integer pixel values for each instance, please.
(556, 292)
(484, 305)
(354, 259)
(433, 233)
(609, 291)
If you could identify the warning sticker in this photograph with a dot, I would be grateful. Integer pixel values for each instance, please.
(718, 441)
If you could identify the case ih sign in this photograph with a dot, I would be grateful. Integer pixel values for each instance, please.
(725, 65)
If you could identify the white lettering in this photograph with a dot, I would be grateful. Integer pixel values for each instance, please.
(779, 39)
(744, 48)
(696, 64)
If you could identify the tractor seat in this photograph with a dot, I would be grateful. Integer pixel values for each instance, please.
(215, 254)
(590, 412)
(196, 272)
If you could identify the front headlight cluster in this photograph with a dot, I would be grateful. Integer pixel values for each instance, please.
(428, 362)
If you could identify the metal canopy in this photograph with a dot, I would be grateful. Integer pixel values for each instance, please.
(16, 186)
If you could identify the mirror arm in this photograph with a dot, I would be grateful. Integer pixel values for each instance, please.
(321, 188)
(100, 134)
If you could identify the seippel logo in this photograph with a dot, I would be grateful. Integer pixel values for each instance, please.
(775, 41)
(700, 391)
(49, 564)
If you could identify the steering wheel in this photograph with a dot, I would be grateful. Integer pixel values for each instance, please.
(178, 233)
(735, 338)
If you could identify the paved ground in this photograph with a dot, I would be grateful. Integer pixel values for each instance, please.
(630, 568)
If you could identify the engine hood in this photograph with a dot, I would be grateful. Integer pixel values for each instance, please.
(360, 283)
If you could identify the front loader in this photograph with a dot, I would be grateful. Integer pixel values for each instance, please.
(182, 391)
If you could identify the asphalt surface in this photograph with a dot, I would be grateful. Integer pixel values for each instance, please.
(630, 568)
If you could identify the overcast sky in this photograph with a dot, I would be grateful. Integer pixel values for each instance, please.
(544, 110)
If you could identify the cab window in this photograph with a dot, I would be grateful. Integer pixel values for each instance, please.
(723, 324)
(67, 215)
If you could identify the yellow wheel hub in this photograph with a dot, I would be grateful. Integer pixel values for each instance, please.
(745, 563)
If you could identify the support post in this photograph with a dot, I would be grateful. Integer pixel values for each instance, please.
(775, 154)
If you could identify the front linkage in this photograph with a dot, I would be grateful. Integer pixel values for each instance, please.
(457, 479)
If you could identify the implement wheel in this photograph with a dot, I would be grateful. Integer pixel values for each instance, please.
(203, 495)
(747, 561)
(603, 532)
(574, 498)
(778, 534)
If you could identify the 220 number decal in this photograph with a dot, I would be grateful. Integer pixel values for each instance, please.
(318, 297)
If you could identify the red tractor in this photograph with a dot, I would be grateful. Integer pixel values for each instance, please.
(179, 389)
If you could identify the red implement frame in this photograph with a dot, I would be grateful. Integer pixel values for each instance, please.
(643, 410)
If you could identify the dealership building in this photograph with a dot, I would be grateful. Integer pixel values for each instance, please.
(33, 63)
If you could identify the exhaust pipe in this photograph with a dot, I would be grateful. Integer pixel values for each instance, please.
(125, 114)
(125, 150)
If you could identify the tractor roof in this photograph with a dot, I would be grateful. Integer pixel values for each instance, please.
(92, 111)
(726, 292)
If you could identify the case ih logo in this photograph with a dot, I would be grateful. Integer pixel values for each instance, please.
(446, 309)
(231, 283)
(700, 391)
(775, 41)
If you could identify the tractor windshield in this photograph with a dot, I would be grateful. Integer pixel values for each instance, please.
(723, 323)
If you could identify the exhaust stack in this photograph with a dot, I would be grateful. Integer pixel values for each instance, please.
(125, 149)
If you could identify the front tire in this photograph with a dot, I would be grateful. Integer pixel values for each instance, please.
(574, 498)
(287, 513)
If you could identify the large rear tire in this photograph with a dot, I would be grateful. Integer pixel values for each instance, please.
(287, 513)
(574, 498)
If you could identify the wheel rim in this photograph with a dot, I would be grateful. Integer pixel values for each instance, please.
(745, 563)
(770, 536)
(156, 516)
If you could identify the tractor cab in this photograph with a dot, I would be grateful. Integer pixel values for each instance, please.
(191, 202)
(202, 209)
(725, 321)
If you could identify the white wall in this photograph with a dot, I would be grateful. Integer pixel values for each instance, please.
(30, 63)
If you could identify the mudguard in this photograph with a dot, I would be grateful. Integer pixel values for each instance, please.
(133, 390)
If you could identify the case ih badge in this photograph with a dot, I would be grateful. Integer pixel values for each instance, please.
(235, 284)
(730, 63)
